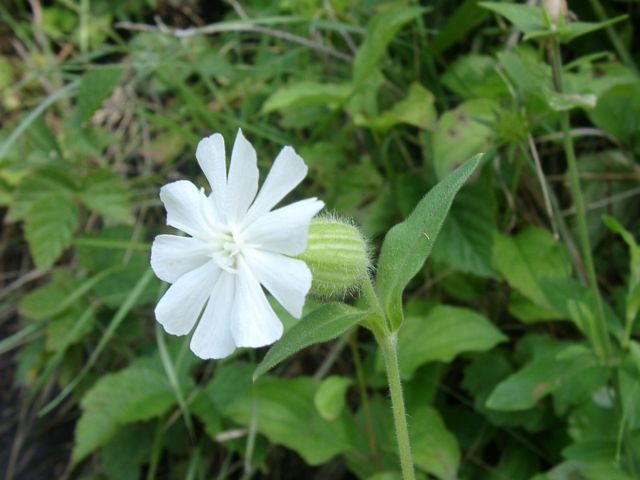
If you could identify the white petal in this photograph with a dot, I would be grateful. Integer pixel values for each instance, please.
(288, 279)
(287, 172)
(286, 229)
(242, 183)
(212, 338)
(188, 209)
(211, 158)
(180, 306)
(173, 256)
(254, 323)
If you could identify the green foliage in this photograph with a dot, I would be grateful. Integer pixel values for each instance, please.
(408, 244)
(483, 285)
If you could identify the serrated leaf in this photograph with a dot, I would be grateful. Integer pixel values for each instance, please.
(408, 244)
(95, 86)
(524, 388)
(49, 226)
(524, 259)
(329, 399)
(443, 334)
(136, 393)
(321, 325)
(104, 192)
(286, 415)
(39, 183)
(435, 449)
(380, 31)
(307, 93)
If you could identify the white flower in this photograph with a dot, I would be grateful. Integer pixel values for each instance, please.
(237, 243)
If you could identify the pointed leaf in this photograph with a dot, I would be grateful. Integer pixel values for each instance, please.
(408, 244)
(324, 323)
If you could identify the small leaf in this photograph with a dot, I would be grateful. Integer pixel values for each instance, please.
(139, 392)
(380, 31)
(572, 30)
(95, 86)
(288, 417)
(442, 335)
(524, 259)
(330, 396)
(416, 109)
(408, 244)
(435, 449)
(307, 93)
(527, 18)
(49, 226)
(324, 323)
(561, 102)
(104, 192)
(523, 389)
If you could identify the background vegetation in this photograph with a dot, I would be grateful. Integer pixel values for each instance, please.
(104, 101)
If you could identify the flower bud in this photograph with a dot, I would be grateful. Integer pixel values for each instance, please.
(555, 9)
(337, 256)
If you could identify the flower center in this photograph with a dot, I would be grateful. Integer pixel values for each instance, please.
(228, 246)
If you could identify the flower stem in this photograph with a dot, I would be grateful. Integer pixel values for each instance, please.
(388, 342)
(598, 327)
(390, 354)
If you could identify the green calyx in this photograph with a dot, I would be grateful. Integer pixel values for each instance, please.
(337, 256)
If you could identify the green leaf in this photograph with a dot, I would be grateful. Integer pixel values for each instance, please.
(37, 184)
(618, 113)
(523, 389)
(527, 18)
(416, 109)
(95, 86)
(49, 226)
(435, 449)
(561, 102)
(104, 192)
(462, 132)
(572, 30)
(442, 335)
(307, 93)
(139, 392)
(330, 396)
(123, 457)
(524, 259)
(380, 31)
(466, 239)
(286, 415)
(408, 244)
(321, 325)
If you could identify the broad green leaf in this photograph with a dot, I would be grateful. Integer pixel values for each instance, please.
(435, 449)
(380, 31)
(408, 244)
(466, 239)
(286, 415)
(416, 109)
(443, 334)
(527, 18)
(136, 393)
(323, 324)
(125, 454)
(618, 113)
(95, 86)
(330, 396)
(49, 226)
(462, 132)
(474, 76)
(525, 258)
(104, 192)
(523, 389)
(307, 93)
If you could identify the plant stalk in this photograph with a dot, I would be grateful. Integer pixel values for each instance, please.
(390, 354)
(598, 326)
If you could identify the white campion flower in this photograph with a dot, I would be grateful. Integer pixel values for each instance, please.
(237, 244)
